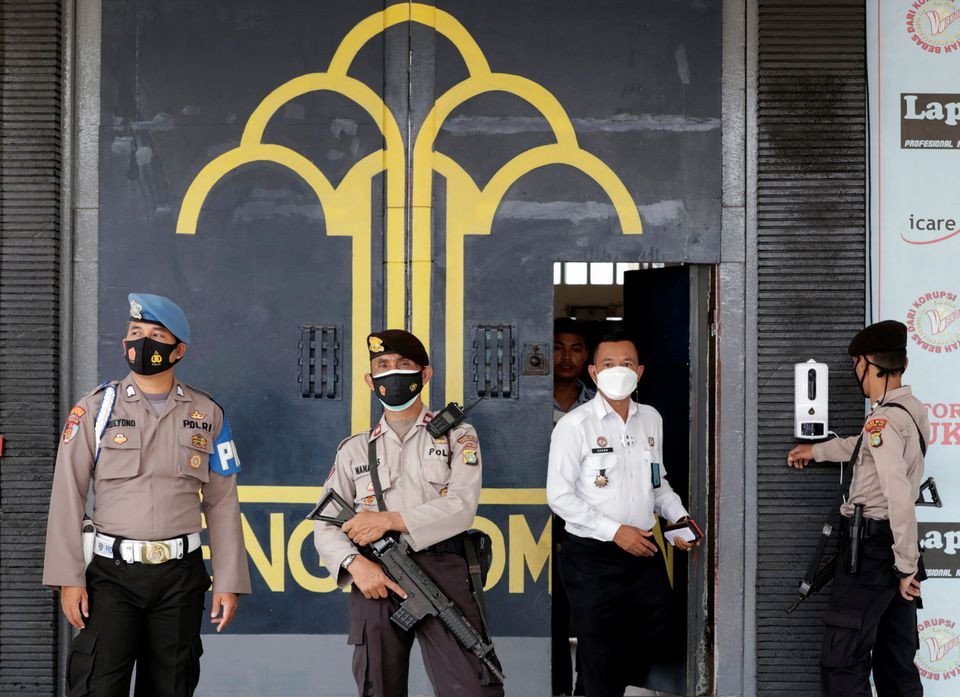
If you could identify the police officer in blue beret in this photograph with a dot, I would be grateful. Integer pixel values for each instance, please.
(133, 581)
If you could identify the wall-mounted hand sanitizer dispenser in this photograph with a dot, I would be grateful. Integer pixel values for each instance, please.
(810, 400)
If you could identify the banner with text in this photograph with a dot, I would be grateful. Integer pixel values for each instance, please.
(913, 50)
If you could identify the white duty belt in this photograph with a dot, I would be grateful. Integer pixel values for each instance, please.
(146, 551)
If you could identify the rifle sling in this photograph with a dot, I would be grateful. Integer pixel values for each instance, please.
(476, 581)
(470, 551)
(923, 440)
(375, 474)
(827, 530)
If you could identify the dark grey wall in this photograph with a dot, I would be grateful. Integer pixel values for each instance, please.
(30, 73)
(811, 244)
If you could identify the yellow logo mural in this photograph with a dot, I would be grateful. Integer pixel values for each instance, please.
(470, 208)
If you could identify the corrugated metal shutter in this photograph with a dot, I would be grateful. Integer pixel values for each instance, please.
(811, 198)
(30, 40)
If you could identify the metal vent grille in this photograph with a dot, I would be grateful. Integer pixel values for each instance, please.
(811, 198)
(30, 92)
(319, 375)
(495, 360)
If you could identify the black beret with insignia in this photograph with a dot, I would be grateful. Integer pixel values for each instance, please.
(397, 341)
(888, 335)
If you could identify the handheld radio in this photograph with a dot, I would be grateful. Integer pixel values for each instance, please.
(449, 418)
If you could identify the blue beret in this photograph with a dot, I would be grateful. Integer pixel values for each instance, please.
(156, 308)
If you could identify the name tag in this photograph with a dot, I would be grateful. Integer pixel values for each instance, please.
(601, 450)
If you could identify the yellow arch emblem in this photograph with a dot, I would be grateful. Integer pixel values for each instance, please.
(470, 209)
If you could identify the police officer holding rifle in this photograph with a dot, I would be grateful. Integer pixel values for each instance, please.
(871, 621)
(415, 495)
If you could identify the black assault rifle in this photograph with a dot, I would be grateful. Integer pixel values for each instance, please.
(826, 571)
(424, 598)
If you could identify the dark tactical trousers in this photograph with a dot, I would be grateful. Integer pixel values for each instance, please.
(144, 614)
(869, 625)
(381, 655)
(561, 667)
(621, 606)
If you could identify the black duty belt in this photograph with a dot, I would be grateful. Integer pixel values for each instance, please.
(871, 527)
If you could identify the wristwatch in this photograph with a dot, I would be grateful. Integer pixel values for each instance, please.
(347, 561)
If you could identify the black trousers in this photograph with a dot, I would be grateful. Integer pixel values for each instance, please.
(561, 667)
(381, 654)
(620, 605)
(869, 626)
(144, 614)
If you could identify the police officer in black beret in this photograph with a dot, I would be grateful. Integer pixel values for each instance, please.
(871, 622)
(430, 488)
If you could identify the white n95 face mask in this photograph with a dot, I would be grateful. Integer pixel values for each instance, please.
(618, 382)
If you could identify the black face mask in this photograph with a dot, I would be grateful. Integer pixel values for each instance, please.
(397, 389)
(881, 373)
(860, 379)
(149, 357)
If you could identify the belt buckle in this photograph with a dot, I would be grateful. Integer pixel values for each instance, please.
(154, 552)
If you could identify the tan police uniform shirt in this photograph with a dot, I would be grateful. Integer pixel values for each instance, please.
(888, 471)
(147, 483)
(436, 500)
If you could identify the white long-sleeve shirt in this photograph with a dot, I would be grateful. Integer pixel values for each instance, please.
(600, 472)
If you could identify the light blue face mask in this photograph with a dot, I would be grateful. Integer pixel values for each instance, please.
(400, 407)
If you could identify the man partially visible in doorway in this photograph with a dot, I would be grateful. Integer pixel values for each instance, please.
(569, 357)
(606, 478)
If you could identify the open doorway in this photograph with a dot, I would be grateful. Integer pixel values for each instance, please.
(667, 309)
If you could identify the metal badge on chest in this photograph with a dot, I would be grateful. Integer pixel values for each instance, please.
(602, 447)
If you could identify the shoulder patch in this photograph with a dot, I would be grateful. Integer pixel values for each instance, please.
(875, 425)
(70, 431)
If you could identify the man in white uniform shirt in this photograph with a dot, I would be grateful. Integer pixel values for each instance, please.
(606, 479)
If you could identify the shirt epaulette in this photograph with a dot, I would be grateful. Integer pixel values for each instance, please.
(577, 415)
(349, 438)
(205, 394)
(464, 425)
(100, 388)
